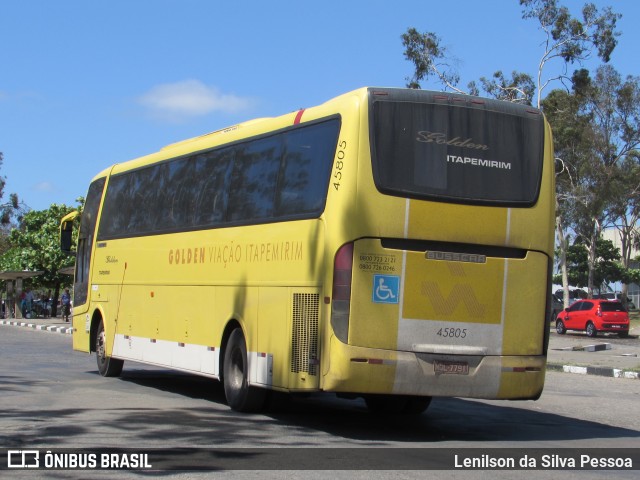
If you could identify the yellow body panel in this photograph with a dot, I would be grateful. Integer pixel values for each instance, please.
(170, 299)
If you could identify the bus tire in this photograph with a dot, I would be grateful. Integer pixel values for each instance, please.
(416, 405)
(240, 396)
(107, 366)
(385, 403)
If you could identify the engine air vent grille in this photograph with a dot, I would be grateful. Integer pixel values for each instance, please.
(304, 355)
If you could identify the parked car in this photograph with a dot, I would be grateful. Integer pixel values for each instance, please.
(617, 296)
(594, 316)
(557, 305)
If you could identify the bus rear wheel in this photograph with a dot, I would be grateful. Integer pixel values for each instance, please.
(416, 405)
(107, 366)
(240, 396)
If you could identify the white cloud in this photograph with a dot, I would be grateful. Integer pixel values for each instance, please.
(46, 187)
(190, 98)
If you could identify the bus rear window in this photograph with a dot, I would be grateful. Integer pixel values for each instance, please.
(456, 149)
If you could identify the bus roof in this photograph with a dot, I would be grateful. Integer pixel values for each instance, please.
(262, 125)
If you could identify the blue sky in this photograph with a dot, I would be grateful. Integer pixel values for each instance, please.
(86, 84)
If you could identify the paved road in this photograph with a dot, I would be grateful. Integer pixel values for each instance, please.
(53, 398)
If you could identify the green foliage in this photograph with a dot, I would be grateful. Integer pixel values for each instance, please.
(520, 88)
(631, 275)
(429, 57)
(36, 246)
(10, 211)
(575, 37)
(2, 180)
(607, 267)
(567, 38)
(596, 135)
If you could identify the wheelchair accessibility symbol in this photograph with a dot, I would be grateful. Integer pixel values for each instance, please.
(386, 288)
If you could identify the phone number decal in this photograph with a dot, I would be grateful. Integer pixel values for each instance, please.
(375, 262)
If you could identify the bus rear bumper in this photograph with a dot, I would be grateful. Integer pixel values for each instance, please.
(366, 370)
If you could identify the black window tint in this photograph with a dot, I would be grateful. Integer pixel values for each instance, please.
(254, 178)
(117, 209)
(282, 176)
(85, 241)
(307, 165)
(174, 202)
(91, 206)
(453, 148)
(210, 192)
(141, 220)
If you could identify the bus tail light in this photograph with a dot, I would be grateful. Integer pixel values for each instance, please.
(341, 303)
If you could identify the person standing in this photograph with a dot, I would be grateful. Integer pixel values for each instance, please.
(28, 303)
(66, 304)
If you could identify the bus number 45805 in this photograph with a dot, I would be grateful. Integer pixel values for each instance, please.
(452, 332)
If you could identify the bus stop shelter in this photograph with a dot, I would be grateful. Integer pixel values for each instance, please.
(14, 282)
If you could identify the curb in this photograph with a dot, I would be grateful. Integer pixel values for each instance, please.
(586, 348)
(600, 371)
(47, 328)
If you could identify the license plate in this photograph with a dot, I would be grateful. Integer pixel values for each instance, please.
(450, 368)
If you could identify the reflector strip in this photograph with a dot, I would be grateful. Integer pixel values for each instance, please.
(521, 369)
(373, 361)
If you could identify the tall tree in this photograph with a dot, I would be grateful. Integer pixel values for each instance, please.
(607, 267)
(11, 212)
(613, 105)
(36, 246)
(566, 38)
(625, 213)
(6, 212)
(572, 142)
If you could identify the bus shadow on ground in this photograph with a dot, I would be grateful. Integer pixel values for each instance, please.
(447, 419)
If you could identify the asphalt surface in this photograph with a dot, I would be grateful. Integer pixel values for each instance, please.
(606, 355)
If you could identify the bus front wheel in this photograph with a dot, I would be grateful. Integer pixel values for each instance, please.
(240, 396)
(107, 366)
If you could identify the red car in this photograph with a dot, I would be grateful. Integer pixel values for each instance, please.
(594, 316)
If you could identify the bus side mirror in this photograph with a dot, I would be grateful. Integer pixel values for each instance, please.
(66, 233)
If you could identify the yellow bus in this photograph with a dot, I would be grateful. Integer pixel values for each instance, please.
(389, 244)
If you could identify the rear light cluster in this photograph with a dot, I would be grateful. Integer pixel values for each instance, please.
(599, 312)
(341, 302)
